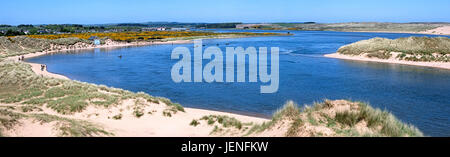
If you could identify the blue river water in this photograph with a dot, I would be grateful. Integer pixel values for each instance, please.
(416, 95)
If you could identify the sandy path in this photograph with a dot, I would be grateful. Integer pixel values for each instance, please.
(442, 65)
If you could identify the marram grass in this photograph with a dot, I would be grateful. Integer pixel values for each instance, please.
(378, 123)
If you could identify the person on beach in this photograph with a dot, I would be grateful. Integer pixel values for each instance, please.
(23, 58)
(43, 67)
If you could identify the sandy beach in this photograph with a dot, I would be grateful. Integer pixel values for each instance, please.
(445, 30)
(392, 60)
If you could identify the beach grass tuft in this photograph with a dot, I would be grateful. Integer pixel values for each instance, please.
(336, 118)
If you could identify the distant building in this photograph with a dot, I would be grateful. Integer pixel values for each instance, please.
(161, 28)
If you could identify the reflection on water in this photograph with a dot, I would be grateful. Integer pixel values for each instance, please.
(416, 95)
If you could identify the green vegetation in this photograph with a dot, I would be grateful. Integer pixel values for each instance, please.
(72, 128)
(411, 48)
(27, 29)
(224, 123)
(194, 122)
(290, 111)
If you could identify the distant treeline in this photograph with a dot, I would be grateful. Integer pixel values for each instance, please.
(5, 26)
(10, 32)
(28, 29)
(176, 24)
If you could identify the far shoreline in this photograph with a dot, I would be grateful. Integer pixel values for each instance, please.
(439, 65)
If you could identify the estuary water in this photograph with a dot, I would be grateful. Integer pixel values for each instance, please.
(416, 95)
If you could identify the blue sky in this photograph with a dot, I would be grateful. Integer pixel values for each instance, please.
(116, 11)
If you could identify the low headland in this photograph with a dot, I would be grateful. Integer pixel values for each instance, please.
(34, 102)
(418, 51)
(437, 28)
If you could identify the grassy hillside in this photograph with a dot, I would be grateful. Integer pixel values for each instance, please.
(23, 94)
(411, 48)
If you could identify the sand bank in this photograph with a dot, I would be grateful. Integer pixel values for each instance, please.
(445, 30)
(392, 60)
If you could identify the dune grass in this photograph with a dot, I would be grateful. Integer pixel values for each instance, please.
(411, 48)
(290, 111)
(222, 124)
(65, 126)
(342, 123)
